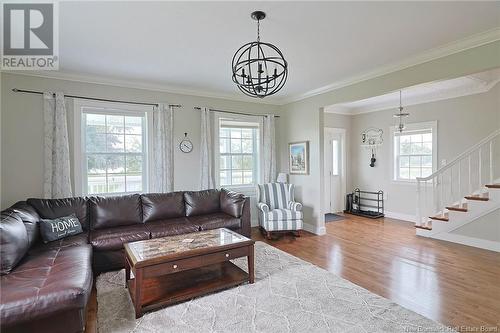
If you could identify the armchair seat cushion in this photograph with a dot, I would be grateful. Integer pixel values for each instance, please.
(282, 225)
(283, 215)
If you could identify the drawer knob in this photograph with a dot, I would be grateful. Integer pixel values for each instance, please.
(175, 266)
(227, 255)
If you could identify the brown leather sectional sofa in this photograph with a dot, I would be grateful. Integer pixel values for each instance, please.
(45, 287)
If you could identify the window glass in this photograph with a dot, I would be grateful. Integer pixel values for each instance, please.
(114, 153)
(238, 162)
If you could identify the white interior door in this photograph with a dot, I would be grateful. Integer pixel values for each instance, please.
(334, 176)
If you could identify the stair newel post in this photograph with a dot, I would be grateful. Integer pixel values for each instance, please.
(491, 162)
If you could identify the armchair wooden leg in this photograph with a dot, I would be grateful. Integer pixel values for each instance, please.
(297, 233)
(268, 235)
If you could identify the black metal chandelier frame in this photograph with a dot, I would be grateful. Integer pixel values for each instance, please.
(257, 84)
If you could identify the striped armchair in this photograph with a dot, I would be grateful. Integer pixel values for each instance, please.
(277, 209)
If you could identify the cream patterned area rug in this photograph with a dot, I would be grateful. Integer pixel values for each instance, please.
(289, 295)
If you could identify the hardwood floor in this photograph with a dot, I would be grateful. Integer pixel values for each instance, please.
(454, 284)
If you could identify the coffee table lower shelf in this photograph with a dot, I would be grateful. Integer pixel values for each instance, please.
(177, 287)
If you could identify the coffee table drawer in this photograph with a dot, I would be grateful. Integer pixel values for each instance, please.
(195, 262)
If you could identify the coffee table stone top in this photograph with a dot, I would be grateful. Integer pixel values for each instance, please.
(182, 244)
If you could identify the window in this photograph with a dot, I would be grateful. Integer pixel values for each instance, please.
(113, 149)
(335, 157)
(238, 158)
(414, 151)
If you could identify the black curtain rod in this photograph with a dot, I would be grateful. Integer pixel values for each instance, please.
(95, 98)
(233, 112)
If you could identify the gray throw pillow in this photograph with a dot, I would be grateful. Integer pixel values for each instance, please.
(60, 227)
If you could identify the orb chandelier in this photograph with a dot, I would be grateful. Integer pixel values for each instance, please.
(259, 68)
(400, 116)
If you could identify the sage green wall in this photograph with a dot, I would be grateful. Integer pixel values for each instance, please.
(306, 120)
(461, 123)
(22, 129)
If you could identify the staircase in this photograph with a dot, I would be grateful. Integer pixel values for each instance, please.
(461, 192)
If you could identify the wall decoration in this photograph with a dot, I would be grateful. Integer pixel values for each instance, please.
(299, 158)
(186, 146)
(372, 139)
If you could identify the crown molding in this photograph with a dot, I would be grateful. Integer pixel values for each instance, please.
(142, 85)
(457, 46)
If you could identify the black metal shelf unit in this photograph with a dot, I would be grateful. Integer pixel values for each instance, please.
(365, 203)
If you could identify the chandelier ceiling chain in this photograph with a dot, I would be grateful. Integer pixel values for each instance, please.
(401, 115)
(259, 68)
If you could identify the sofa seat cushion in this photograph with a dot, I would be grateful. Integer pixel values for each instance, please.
(216, 220)
(76, 240)
(111, 239)
(171, 227)
(45, 283)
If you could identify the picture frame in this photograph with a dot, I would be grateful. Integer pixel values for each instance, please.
(298, 158)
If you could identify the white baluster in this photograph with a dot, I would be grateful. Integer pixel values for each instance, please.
(441, 197)
(460, 183)
(419, 207)
(480, 170)
(470, 172)
(491, 162)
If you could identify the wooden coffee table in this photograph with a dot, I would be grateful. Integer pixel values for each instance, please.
(172, 269)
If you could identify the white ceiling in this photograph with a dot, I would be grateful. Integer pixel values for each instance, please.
(188, 46)
(423, 93)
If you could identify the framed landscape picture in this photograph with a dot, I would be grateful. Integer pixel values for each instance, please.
(299, 158)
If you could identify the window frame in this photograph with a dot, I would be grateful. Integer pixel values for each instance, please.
(79, 151)
(412, 127)
(244, 188)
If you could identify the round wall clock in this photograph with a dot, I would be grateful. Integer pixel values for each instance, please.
(186, 146)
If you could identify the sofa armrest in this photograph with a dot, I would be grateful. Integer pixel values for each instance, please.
(232, 203)
(246, 220)
(263, 207)
(296, 206)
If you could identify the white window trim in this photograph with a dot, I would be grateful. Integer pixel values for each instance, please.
(414, 127)
(79, 168)
(249, 189)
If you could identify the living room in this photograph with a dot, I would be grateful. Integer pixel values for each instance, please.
(150, 180)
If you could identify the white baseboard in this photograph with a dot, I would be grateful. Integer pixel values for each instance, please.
(400, 216)
(470, 241)
(254, 222)
(314, 229)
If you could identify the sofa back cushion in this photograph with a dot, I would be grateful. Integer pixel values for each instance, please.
(202, 202)
(107, 212)
(231, 203)
(54, 208)
(13, 241)
(161, 206)
(30, 218)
